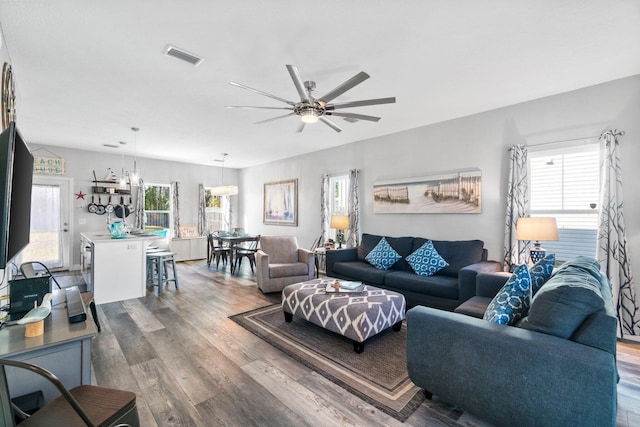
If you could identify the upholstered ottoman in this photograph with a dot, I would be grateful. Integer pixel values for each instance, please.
(355, 316)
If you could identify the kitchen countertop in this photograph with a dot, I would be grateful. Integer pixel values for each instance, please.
(105, 236)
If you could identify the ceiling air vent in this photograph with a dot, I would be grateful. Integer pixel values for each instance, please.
(183, 55)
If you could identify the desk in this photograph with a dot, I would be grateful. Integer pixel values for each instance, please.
(64, 349)
(233, 240)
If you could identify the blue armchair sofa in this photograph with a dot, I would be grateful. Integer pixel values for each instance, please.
(446, 289)
(556, 367)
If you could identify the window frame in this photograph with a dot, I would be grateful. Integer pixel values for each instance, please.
(338, 184)
(577, 227)
(225, 203)
(169, 212)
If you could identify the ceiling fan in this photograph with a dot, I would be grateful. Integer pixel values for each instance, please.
(311, 109)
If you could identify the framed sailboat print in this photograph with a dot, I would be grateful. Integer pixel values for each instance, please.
(281, 203)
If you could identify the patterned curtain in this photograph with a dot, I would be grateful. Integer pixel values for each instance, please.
(613, 254)
(515, 251)
(324, 207)
(202, 218)
(139, 214)
(353, 238)
(175, 207)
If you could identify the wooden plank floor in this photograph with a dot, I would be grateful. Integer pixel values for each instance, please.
(191, 366)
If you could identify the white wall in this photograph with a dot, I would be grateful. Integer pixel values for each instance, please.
(478, 141)
(80, 165)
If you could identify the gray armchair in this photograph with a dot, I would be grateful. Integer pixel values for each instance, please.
(281, 262)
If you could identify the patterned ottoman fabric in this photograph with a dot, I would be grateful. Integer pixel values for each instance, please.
(356, 316)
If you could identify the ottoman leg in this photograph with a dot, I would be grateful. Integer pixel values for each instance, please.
(398, 326)
(288, 317)
(358, 347)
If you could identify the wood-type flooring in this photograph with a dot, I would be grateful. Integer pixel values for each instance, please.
(190, 365)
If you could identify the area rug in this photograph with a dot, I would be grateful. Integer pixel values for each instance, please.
(378, 375)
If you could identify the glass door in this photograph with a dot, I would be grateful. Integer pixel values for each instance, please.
(50, 239)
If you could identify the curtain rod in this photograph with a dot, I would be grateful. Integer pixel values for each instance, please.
(568, 140)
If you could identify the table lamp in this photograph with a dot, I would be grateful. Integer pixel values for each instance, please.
(536, 229)
(340, 223)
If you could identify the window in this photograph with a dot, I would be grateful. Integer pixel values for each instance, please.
(217, 212)
(157, 205)
(565, 184)
(338, 198)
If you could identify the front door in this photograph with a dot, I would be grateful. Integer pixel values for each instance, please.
(50, 238)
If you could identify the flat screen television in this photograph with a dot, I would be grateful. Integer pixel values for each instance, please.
(16, 173)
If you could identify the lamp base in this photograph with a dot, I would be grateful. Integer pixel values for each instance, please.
(537, 254)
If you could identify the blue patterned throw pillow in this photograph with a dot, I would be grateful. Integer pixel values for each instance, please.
(513, 301)
(383, 256)
(541, 272)
(426, 261)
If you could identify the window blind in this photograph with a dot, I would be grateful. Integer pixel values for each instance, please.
(565, 184)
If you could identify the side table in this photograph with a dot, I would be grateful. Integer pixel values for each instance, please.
(320, 260)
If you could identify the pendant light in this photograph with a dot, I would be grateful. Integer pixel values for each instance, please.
(224, 190)
(122, 181)
(135, 174)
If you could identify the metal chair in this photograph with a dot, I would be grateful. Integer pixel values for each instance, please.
(247, 250)
(216, 251)
(28, 271)
(83, 405)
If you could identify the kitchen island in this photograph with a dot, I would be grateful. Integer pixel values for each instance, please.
(114, 269)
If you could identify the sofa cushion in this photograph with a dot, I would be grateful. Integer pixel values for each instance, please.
(541, 272)
(474, 306)
(362, 271)
(437, 286)
(288, 269)
(281, 249)
(457, 253)
(383, 256)
(426, 261)
(402, 245)
(367, 243)
(570, 296)
(512, 301)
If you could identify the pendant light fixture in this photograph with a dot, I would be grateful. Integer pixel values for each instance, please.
(224, 190)
(122, 181)
(135, 174)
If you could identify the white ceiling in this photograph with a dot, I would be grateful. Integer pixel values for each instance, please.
(88, 70)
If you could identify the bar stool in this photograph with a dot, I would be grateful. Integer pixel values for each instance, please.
(158, 271)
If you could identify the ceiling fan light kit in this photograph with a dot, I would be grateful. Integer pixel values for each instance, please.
(310, 109)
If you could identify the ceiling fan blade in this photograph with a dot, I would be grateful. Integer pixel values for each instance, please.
(353, 81)
(273, 118)
(331, 124)
(261, 108)
(297, 81)
(300, 126)
(261, 93)
(354, 116)
(362, 103)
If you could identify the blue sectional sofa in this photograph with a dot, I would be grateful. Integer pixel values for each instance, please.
(446, 289)
(555, 367)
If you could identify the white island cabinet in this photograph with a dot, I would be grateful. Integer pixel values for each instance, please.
(114, 269)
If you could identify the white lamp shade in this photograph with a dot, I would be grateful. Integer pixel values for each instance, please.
(340, 222)
(537, 228)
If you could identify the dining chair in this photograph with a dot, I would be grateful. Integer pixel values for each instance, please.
(246, 250)
(28, 270)
(82, 405)
(216, 250)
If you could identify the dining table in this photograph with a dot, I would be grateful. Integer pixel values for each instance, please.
(233, 240)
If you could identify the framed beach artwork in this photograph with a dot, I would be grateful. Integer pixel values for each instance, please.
(281, 203)
(447, 192)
